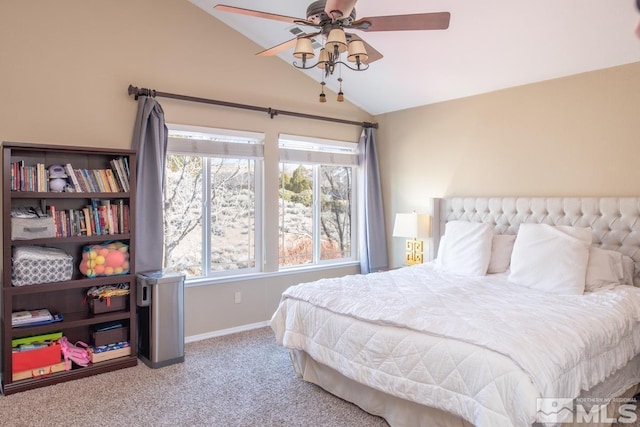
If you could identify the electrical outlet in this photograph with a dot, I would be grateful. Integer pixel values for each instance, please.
(238, 297)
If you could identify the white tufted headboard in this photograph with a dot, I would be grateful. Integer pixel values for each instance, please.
(615, 220)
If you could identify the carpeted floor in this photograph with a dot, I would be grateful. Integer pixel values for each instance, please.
(244, 379)
(240, 380)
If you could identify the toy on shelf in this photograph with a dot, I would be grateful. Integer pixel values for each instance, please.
(57, 178)
(106, 259)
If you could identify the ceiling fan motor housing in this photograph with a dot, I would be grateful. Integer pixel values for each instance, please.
(316, 14)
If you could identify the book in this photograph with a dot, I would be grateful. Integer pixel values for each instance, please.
(90, 180)
(82, 180)
(55, 318)
(120, 216)
(29, 317)
(105, 181)
(98, 180)
(88, 221)
(72, 176)
(118, 166)
(113, 183)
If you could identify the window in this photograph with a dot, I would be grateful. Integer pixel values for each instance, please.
(317, 194)
(214, 212)
(213, 181)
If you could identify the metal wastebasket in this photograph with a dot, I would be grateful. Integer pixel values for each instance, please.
(160, 307)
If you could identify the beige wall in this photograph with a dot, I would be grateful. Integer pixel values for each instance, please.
(577, 136)
(65, 66)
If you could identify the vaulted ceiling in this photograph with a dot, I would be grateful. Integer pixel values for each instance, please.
(489, 45)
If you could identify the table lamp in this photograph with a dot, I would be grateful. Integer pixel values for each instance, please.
(413, 226)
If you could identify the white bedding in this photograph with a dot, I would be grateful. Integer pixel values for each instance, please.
(479, 348)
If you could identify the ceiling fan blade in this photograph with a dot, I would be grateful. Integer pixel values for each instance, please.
(289, 44)
(373, 54)
(259, 14)
(418, 21)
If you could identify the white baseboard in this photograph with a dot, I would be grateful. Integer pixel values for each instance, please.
(200, 337)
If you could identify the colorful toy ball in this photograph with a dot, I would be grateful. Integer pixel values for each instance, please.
(106, 259)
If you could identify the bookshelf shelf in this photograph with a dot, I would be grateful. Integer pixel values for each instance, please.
(24, 161)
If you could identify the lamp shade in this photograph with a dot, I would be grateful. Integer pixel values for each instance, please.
(357, 50)
(338, 39)
(303, 48)
(411, 225)
(323, 58)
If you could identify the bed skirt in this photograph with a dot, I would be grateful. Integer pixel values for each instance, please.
(404, 413)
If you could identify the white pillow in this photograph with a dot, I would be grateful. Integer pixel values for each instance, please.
(441, 249)
(604, 270)
(551, 259)
(501, 248)
(628, 267)
(465, 248)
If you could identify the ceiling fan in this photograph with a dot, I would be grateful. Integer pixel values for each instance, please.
(326, 15)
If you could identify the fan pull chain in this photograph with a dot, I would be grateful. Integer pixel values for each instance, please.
(340, 93)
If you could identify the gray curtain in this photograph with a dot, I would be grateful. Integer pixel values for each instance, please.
(150, 141)
(373, 236)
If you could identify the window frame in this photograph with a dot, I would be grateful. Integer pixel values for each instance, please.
(345, 152)
(330, 153)
(220, 149)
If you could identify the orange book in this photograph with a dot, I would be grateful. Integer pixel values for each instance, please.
(105, 181)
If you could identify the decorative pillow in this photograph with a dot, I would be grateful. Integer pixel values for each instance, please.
(465, 248)
(551, 259)
(441, 249)
(604, 270)
(628, 268)
(501, 248)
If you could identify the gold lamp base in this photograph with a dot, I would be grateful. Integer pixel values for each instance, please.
(414, 253)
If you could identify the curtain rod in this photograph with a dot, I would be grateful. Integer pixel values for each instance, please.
(136, 92)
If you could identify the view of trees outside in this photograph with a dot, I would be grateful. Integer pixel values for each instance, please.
(231, 213)
(183, 214)
(296, 213)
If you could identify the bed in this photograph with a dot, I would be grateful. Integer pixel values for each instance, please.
(523, 342)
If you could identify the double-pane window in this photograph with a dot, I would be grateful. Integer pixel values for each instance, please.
(213, 202)
(317, 201)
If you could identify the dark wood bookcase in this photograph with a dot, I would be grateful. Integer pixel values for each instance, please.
(68, 297)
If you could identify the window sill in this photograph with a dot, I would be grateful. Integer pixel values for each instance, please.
(264, 275)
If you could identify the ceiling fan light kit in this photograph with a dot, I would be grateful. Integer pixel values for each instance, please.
(304, 49)
(357, 52)
(331, 18)
(337, 40)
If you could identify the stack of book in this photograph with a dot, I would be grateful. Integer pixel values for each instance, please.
(33, 318)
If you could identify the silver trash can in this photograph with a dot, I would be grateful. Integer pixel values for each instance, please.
(160, 307)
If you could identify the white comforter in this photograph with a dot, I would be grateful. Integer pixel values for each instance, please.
(481, 348)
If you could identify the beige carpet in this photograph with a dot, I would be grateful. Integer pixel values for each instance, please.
(239, 380)
(243, 379)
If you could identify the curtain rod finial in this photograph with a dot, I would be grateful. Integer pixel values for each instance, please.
(132, 90)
